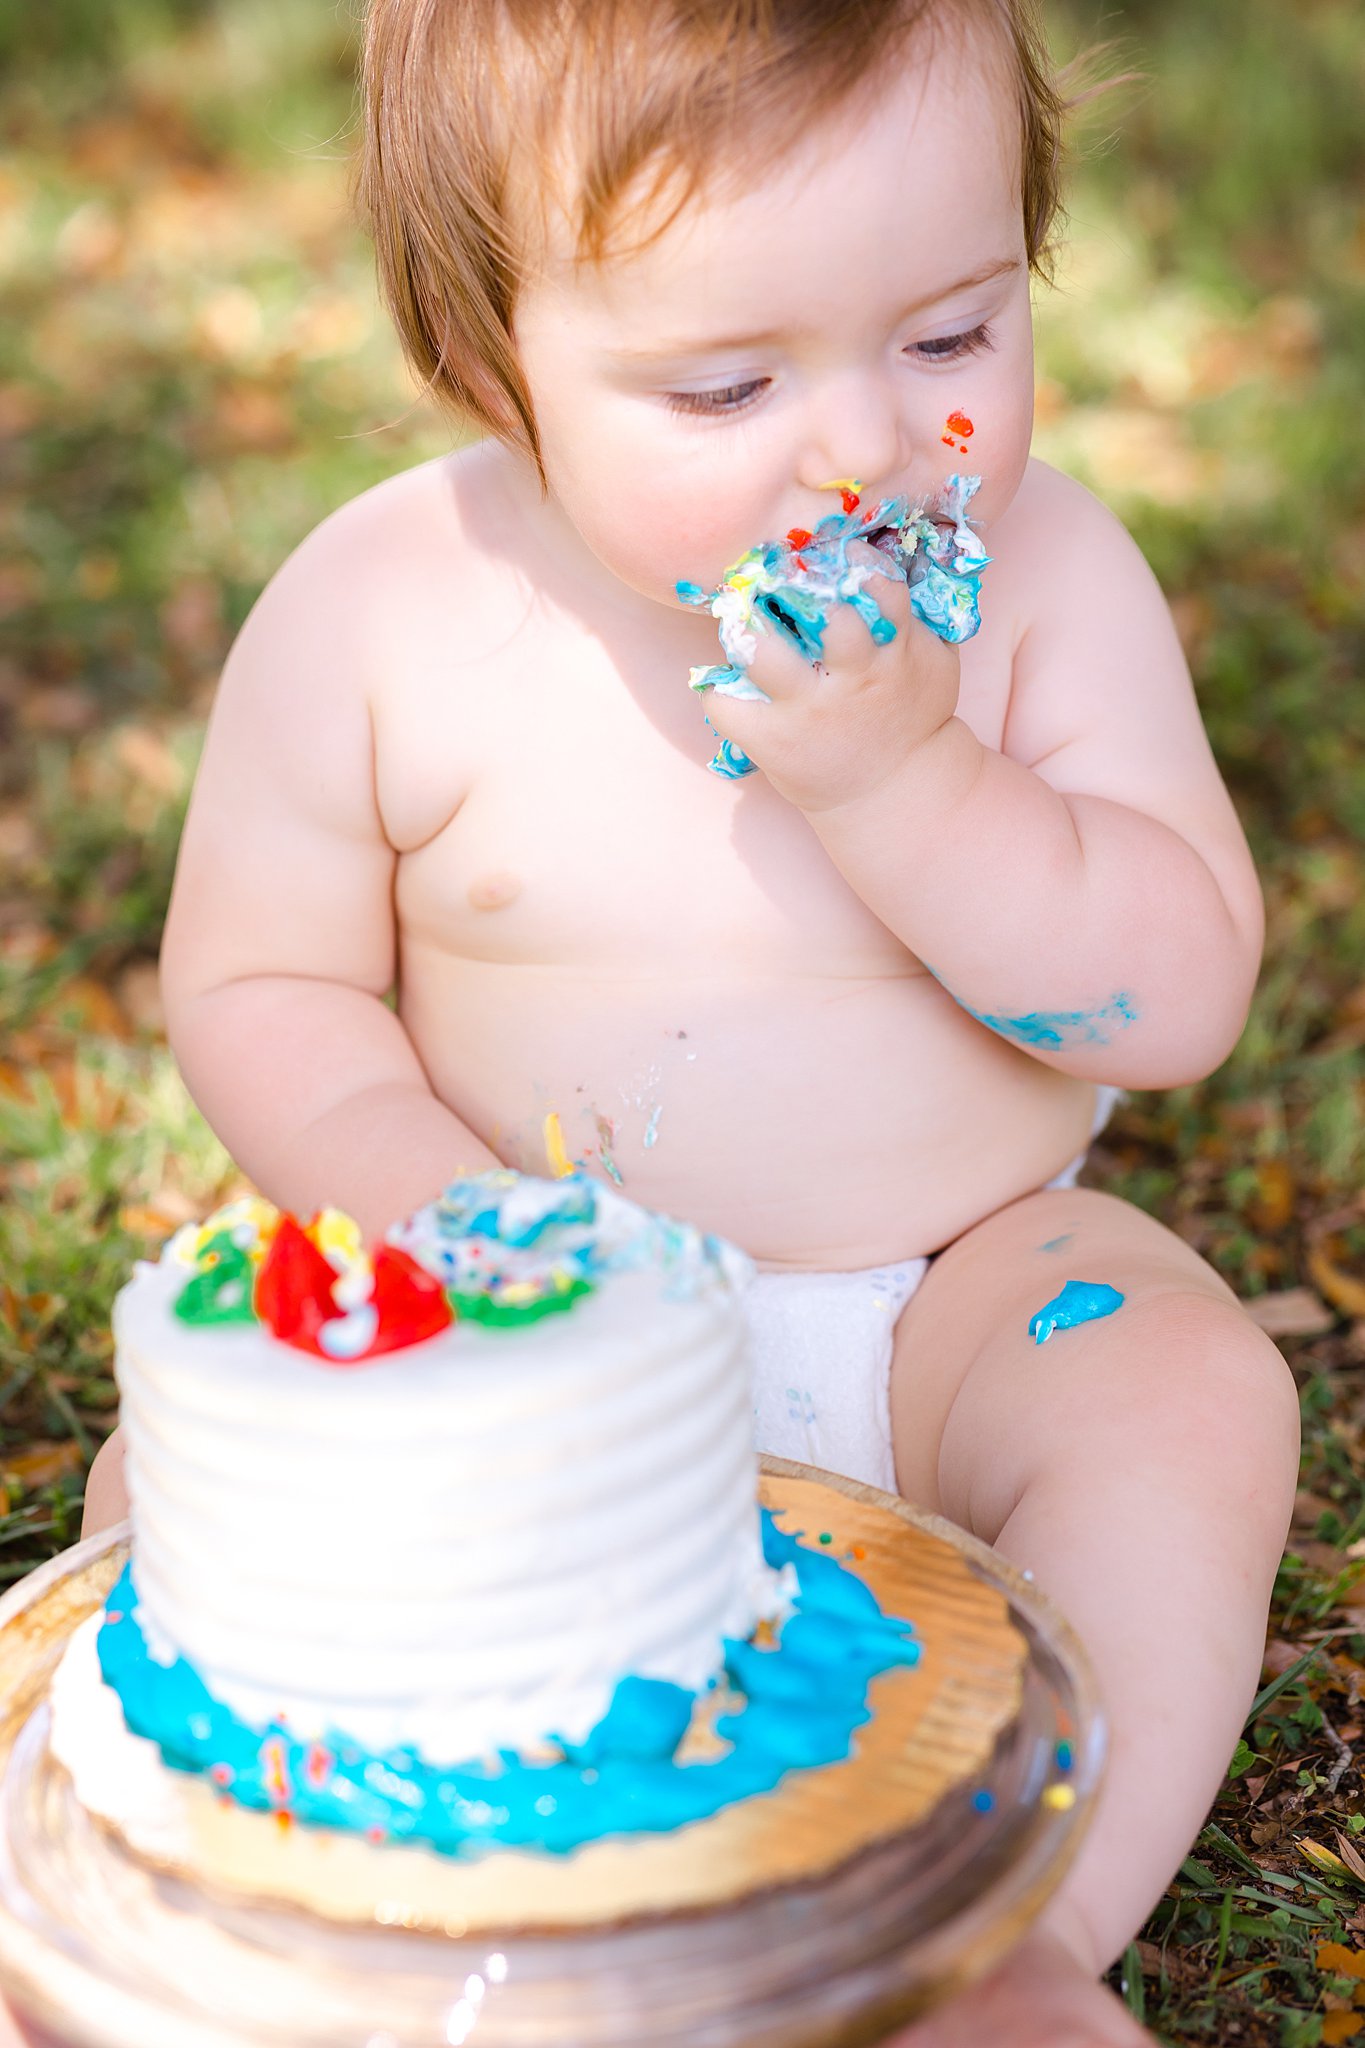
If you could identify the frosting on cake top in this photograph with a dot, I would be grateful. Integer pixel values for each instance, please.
(499, 1248)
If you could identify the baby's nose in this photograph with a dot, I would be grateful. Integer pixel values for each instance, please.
(858, 429)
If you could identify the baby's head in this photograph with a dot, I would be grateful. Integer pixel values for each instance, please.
(694, 261)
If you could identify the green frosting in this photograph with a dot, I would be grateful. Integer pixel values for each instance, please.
(507, 1315)
(219, 1290)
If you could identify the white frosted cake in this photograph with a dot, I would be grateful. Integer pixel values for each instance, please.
(455, 1546)
(459, 1545)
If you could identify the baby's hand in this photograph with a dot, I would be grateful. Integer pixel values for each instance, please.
(835, 728)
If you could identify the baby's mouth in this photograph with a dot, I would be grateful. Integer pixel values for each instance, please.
(885, 537)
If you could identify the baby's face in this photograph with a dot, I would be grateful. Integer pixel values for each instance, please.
(827, 322)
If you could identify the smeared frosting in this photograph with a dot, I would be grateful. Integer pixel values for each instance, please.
(793, 585)
(1080, 1301)
(1051, 1030)
(505, 1241)
(788, 1698)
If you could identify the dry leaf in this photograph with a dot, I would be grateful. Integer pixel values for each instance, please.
(89, 1004)
(1272, 1206)
(40, 1465)
(1342, 1289)
(139, 994)
(142, 1220)
(1297, 1312)
(1340, 2026)
(1323, 1859)
(149, 760)
(1353, 1860)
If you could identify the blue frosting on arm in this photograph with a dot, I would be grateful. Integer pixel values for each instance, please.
(1054, 1030)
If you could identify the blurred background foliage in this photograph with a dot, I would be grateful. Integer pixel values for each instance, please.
(193, 371)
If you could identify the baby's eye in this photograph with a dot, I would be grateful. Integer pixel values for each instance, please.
(950, 348)
(734, 398)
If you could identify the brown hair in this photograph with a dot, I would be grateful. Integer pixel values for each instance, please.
(471, 107)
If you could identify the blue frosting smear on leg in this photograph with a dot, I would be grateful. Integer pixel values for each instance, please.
(1080, 1301)
(802, 1701)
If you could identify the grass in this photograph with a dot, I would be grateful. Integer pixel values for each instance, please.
(193, 370)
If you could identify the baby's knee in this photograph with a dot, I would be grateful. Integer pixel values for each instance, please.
(1221, 1389)
(106, 1495)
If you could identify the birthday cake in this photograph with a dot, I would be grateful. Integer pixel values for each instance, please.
(445, 1498)
(456, 1544)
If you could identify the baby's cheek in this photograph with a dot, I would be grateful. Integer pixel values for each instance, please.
(653, 536)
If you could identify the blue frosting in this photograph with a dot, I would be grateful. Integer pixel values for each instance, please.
(802, 1702)
(933, 549)
(1080, 1301)
(1053, 1029)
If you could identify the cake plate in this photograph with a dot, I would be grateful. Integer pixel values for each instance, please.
(852, 1899)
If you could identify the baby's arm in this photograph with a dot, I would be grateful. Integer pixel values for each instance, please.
(280, 941)
(1086, 891)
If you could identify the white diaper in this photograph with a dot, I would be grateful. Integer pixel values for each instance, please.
(820, 1345)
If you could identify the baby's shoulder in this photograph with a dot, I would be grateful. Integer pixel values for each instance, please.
(398, 551)
(1057, 543)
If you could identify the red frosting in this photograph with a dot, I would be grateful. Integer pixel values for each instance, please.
(294, 1296)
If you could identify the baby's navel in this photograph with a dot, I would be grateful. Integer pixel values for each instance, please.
(494, 892)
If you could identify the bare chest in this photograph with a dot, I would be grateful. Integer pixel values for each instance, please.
(551, 803)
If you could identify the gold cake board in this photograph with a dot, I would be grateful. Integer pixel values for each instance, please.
(933, 1726)
(796, 1917)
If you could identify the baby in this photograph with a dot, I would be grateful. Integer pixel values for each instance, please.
(696, 270)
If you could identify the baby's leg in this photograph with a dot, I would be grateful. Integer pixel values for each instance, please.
(1143, 1468)
(106, 1497)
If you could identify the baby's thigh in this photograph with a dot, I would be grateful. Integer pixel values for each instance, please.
(1176, 1379)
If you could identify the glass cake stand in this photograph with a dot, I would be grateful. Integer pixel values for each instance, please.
(99, 1949)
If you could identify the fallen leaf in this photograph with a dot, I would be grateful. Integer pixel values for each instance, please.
(40, 1465)
(148, 758)
(1296, 1312)
(1353, 1860)
(139, 995)
(142, 1221)
(1323, 1557)
(1323, 1859)
(1340, 1961)
(1340, 2026)
(87, 1005)
(1342, 1289)
(1272, 1206)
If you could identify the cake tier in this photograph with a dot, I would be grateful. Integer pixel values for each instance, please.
(461, 1546)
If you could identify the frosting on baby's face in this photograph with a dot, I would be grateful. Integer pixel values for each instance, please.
(861, 311)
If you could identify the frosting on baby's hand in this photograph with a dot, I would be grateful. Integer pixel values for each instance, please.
(794, 584)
